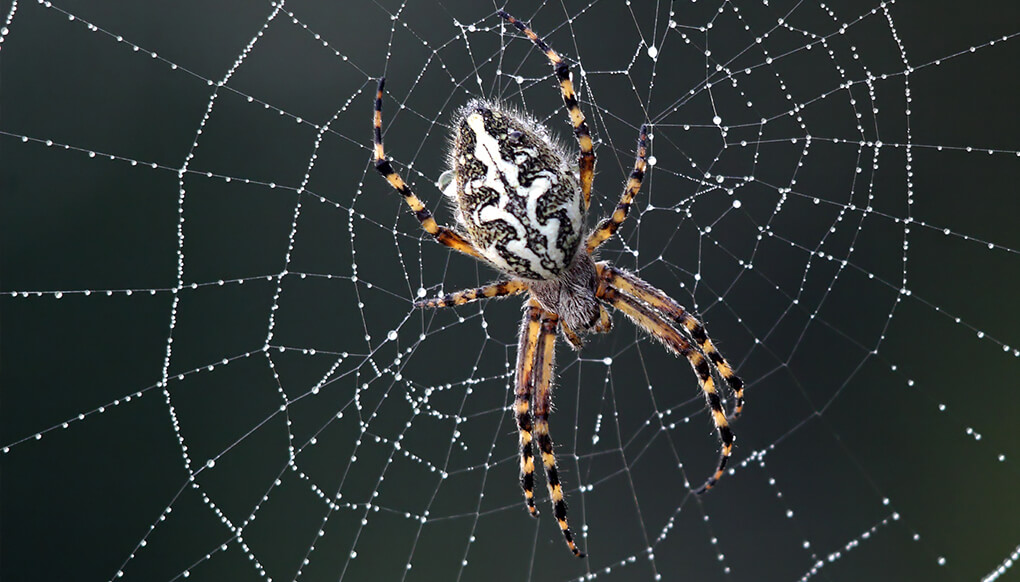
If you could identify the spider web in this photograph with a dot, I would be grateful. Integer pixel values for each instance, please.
(211, 368)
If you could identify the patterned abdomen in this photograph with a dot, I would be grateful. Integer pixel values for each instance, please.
(516, 196)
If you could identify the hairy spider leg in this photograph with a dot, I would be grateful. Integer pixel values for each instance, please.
(543, 405)
(575, 340)
(607, 227)
(531, 329)
(637, 287)
(586, 160)
(604, 324)
(442, 234)
(498, 289)
(654, 324)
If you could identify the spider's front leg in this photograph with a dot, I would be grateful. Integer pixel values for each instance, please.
(531, 330)
(542, 379)
(647, 319)
(535, 352)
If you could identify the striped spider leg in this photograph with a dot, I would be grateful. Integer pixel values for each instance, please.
(649, 309)
(586, 158)
(532, 404)
(442, 234)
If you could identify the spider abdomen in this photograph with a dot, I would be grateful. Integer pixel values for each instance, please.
(516, 195)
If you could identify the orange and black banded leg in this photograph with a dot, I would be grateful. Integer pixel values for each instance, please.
(442, 234)
(531, 330)
(586, 161)
(654, 324)
(543, 405)
(500, 289)
(608, 226)
(637, 287)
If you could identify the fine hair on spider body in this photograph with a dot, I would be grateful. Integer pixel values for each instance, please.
(521, 206)
(571, 295)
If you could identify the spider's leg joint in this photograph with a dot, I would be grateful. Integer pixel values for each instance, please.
(383, 166)
(563, 72)
(605, 322)
(573, 339)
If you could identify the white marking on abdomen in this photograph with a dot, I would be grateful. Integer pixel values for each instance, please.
(499, 175)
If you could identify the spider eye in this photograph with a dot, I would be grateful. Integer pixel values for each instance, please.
(515, 136)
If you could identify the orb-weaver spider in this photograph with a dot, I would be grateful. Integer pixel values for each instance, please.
(523, 208)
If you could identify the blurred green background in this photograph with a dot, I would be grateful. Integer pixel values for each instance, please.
(874, 424)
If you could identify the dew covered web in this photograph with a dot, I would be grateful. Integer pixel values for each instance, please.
(212, 368)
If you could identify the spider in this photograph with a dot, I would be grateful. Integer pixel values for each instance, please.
(522, 208)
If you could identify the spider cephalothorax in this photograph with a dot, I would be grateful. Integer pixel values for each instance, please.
(522, 208)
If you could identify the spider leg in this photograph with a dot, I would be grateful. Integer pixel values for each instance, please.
(654, 324)
(575, 340)
(608, 226)
(528, 344)
(499, 289)
(586, 161)
(442, 234)
(637, 287)
(543, 404)
(602, 325)
(605, 322)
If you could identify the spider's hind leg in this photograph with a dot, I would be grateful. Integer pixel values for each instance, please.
(608, 226)
(586, 160)
(442, 234)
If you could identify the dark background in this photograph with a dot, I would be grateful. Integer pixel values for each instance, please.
(874, 423)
